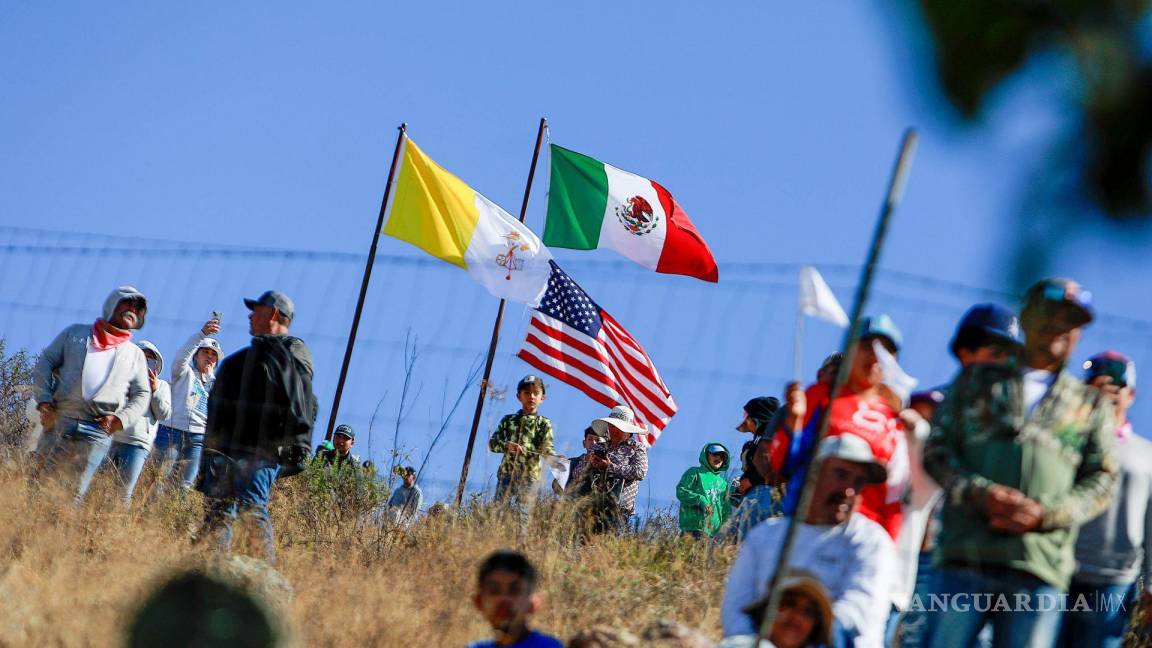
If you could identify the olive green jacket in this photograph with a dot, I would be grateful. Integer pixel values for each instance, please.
(1059, 455)
(532, 432)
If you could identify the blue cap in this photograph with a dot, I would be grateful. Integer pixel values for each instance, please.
(1113, 364)
(991, 322)
(881, 326)
(715, 448)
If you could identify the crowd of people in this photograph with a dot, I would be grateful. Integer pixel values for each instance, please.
(1008, 508)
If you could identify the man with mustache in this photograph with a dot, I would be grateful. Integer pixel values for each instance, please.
(1023, 454)
(101, 388)
(852, 556)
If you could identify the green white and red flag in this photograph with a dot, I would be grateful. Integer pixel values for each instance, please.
(595, 205)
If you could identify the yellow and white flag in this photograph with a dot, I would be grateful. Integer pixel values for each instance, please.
(435, 211)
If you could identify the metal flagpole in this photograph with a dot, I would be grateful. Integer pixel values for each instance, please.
(364, 285)
(895, 192)
(496, 329)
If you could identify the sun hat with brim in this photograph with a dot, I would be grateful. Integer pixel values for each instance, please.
(798, 581)
(621, 418)
(855, 449)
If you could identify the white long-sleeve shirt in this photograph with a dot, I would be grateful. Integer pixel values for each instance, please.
(854, 560)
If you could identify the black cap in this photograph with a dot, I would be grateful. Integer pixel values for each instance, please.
(761, 408)
(275, 299)
(346, 430)
(1066, 293)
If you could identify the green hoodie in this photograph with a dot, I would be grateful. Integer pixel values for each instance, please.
(703, 486)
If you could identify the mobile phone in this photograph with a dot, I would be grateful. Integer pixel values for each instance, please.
(217, 315)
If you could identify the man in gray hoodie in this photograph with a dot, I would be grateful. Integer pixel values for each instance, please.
(101, 387)
(1112, 550)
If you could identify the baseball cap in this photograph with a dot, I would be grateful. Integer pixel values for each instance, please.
(881, 326)
(275, 299)
(992, 322)
(715, 448)
(1113, 364)
(1060, 292)
(346, 430)
(930, 396)
(529, 381)
(852, 448)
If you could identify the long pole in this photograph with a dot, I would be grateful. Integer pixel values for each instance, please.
(796, 344)
(364, 286)
(895, 192)
(496, 328)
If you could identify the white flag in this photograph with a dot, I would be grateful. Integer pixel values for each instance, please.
(817, 300)
(894, 375)
(558, 466)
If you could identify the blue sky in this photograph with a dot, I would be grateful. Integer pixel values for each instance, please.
(180, 130)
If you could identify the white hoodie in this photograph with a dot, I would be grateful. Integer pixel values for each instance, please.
(189, 389)
(143, 432)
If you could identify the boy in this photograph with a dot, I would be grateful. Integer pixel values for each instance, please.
(703, 493)
(506, 597)
(523, 438)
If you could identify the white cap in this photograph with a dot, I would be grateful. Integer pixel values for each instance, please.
(853, 448)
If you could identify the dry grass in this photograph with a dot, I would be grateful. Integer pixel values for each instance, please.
(74, 577)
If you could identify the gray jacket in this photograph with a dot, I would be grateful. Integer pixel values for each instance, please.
(143, 432)
(125, 394)
(1113, 548)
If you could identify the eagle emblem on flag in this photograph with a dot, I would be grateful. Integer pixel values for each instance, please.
(637, 216)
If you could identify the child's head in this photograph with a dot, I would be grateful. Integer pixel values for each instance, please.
(506, 591)
(530, 393)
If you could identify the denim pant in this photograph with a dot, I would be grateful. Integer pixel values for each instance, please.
(1104, 622)
(74, 450)
(179, 448)
(128, 461)
(1034, 624)
(238, 485)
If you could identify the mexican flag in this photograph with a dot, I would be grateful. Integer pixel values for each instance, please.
(595, 205)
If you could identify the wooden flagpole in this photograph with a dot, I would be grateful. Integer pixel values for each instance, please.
(496, 328)
(895, 192)
(364, 285)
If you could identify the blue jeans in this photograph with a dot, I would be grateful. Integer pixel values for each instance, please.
(1031, 620)
(236, 485)
(128, 460)
(1103, 623)
(179, 448)
(75, 452)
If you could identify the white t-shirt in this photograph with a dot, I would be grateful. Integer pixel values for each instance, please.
(855, 560)
(97, 368)
(1037, 382)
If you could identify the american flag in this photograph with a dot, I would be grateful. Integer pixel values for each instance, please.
(573, 340)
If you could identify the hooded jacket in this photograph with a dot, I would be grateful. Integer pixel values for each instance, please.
(143, 432)
(190, 390)
(701, 487)
(254, 407)
(124, 394)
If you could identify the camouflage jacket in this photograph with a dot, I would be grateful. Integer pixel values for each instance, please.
(1059, 455)
(532, 432)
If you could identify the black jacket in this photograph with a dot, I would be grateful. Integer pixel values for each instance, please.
(262, 399)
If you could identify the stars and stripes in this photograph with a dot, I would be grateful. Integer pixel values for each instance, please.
(575, 341)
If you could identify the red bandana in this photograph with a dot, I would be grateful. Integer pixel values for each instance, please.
(105, 336)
